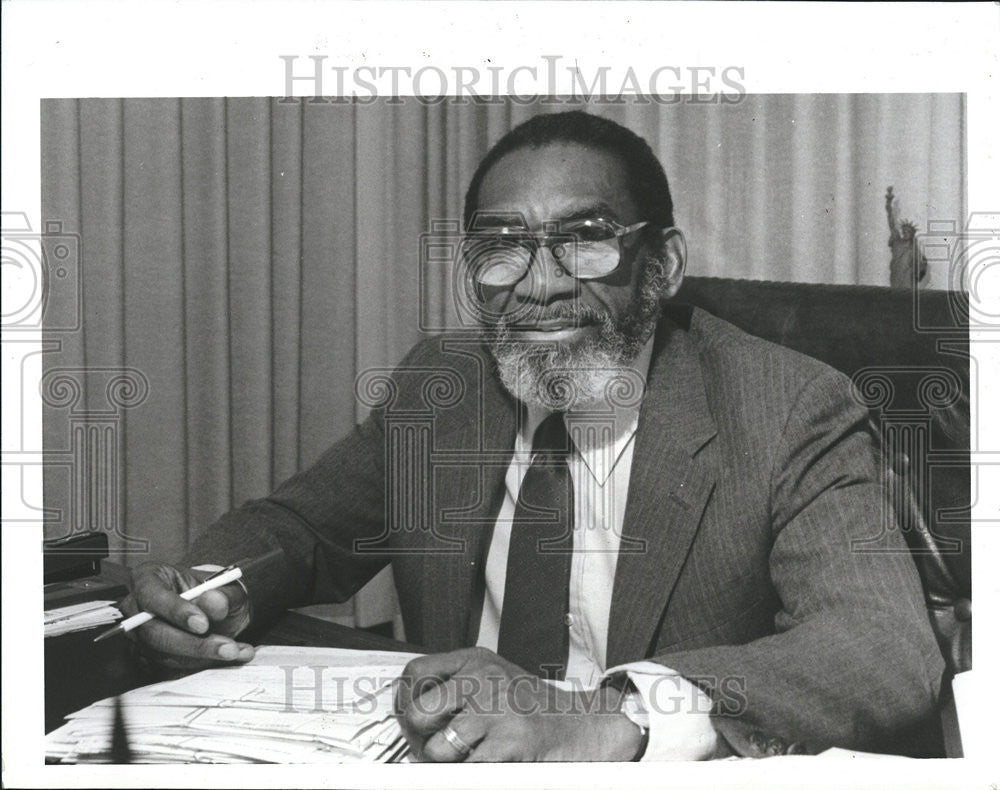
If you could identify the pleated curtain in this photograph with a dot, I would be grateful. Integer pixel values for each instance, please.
(247, 258)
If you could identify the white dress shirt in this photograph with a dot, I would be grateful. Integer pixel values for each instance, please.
(600, 466)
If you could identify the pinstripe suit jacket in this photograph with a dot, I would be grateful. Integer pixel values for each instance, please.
(752, 473)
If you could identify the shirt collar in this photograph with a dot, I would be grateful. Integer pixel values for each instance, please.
(600, 438)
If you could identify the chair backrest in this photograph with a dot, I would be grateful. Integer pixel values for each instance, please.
(908, 355)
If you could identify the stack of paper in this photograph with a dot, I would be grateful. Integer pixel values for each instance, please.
(289, 705)
(80, 617)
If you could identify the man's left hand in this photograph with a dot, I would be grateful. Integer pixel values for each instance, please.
(503, 713)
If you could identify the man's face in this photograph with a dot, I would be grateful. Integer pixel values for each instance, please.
(562, 342)
(559, 183)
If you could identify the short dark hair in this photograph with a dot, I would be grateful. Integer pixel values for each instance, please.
(644, 173)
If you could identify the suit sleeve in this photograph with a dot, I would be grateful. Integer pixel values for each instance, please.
(853, 661)
(307, 528)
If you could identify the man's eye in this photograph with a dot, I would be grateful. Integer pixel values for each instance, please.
(592, 232)
(484, 243)
(511, 240)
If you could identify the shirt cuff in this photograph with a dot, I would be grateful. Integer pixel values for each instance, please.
(679, 724)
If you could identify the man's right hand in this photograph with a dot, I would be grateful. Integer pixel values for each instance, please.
(187, 634)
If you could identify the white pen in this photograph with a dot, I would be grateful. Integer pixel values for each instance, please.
(218, 579)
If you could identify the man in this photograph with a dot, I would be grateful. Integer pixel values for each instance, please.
(638, 502)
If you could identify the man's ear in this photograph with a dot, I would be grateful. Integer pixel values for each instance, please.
(674, 247)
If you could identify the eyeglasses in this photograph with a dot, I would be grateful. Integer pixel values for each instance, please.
(586, 249)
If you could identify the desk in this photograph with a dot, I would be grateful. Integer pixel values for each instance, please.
(79, 672)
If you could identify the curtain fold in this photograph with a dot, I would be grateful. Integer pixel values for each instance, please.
(244, 259)
(205, 278)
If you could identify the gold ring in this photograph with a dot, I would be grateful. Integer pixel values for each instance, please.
(456, 742)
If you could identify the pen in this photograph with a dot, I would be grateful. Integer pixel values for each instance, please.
(218, 579)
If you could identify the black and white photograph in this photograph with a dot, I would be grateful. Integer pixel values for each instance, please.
(502, 411)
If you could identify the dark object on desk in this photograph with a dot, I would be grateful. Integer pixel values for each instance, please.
(78, 672)
(73, 571)
(74, 557)
(106, 587)
(120, 754)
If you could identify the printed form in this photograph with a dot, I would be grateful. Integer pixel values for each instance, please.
(288, 705)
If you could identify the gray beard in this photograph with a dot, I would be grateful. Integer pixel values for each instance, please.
(592, 374)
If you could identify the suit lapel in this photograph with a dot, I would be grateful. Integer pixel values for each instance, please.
(473, 448)
(668, 490)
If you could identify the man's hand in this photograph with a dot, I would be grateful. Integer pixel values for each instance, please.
(187, 634)
(506, 714)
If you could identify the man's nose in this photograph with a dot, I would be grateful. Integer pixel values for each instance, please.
(546, 278)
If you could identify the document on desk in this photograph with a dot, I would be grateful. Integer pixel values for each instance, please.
(80, 617)
(288, 705)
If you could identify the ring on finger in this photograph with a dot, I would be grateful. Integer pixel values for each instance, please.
(455, 740)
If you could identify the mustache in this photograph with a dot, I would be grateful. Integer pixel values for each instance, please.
(559, 311)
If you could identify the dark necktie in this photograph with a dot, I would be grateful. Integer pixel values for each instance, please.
(533, 630)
